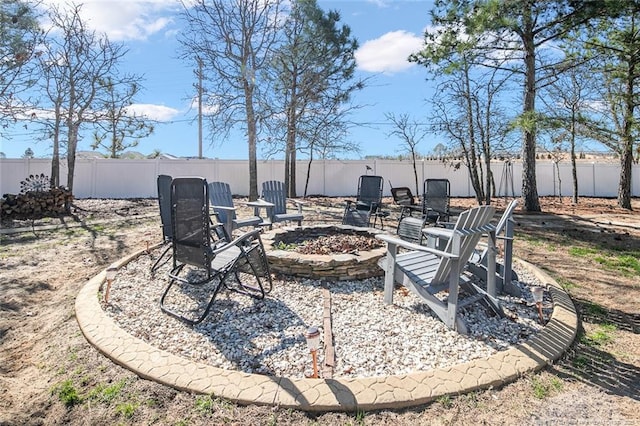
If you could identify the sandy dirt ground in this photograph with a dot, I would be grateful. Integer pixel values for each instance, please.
(49, 374)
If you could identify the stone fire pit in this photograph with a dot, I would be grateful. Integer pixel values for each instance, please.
(356, 264)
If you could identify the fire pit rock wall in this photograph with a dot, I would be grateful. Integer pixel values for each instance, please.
(337, 266)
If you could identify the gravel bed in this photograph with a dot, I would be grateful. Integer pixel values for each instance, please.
(267, 336)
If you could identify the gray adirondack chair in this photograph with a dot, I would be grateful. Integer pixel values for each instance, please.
(478, 262)
(427, 271)
(273, 192)
(222, 204)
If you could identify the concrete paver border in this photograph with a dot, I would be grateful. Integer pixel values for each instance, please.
(343, 394)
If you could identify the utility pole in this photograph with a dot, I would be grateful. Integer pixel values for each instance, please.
(199, 108)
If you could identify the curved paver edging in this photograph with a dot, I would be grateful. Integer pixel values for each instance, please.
(342, 394)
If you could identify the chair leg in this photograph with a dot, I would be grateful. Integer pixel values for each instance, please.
(157, 263)
(254, 254)
(174, 278)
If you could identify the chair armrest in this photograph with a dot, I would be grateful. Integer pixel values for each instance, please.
(417, 247)
(438, 232)
(238, 240)
(227, 208)
(298, 203)
(446, 225)
(214, 213)
(229, 222)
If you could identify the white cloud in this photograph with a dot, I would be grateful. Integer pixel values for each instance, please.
(380, 3)
(150, 111)
(210, 105)
(389, 53)
(154, 112)
(127, 19)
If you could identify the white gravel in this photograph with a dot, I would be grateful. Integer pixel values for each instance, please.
(267, 336)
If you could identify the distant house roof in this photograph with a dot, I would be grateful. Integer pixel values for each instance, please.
(89, 155)
(164, 156)
(128, 155)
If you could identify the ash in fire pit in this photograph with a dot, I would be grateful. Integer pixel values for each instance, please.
(325, 252)
(338, 241)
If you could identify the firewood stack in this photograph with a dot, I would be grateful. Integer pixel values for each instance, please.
(36, 204)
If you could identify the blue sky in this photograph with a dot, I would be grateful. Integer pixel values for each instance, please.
(387, 32)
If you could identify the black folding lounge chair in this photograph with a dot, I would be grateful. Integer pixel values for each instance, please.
(404, 198)
(367, 204)
(435, 200)
(164, 202)
(434, 208)
(195, 249)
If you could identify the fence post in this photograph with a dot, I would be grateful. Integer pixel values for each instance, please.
(94, 176)
(324, 177)
(593, 176)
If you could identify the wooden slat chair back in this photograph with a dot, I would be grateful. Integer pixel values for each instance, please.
(224, 209)
(427, 271)
(479, 263)
(504, 272)
(273, 191)
(410, 229)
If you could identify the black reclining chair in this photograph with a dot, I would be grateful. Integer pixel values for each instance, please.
(164, 202)
(367, 204)
(226, 264)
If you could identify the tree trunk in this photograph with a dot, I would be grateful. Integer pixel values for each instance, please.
(290, 153)
(556, 166)
(574, 170)
(470, 153)
(529, 184)
(415, 170)
(72, 144)
(626, 151)
(290, 150)
(489, 178)
(624, 186)
(306, 183)
(287, 160)
(292, 171)
(114, 142)
(55, 158)
(252, 139)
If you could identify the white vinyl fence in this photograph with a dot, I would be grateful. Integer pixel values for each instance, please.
(113, 178)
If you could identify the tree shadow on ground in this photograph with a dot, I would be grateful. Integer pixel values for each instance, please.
(570, 230)
(594, 366)
(595, 314)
